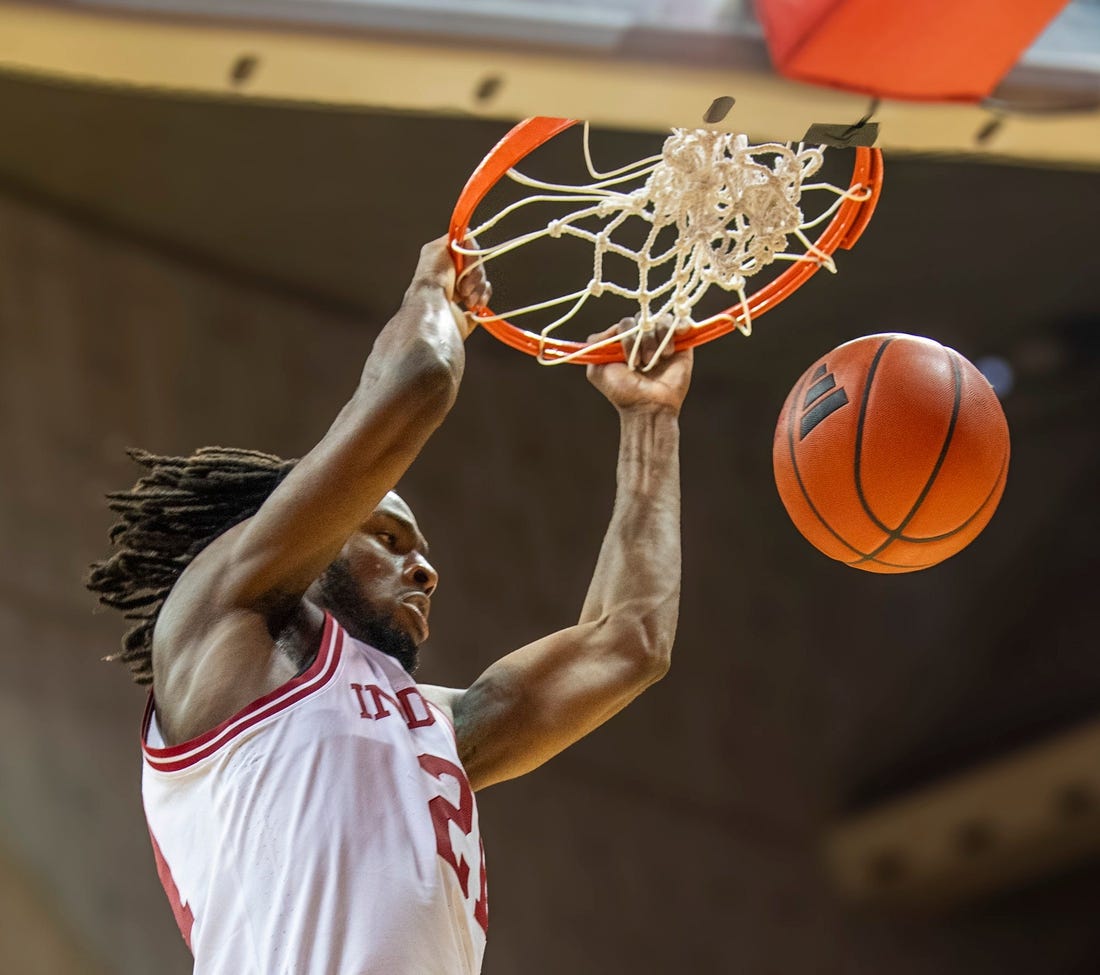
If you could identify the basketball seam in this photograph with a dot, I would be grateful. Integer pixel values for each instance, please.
(864, 401)
(867, 559)
(1002, 476)
(925, 539)
(997, 483)
(897, 534)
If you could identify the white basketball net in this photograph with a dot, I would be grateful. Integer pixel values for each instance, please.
(733, 206)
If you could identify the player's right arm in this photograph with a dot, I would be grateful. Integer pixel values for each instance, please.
(408, 385)
(213, 650)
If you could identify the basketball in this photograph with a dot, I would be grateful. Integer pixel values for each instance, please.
(891, 453)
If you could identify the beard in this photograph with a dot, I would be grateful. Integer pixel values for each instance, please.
(364, 621)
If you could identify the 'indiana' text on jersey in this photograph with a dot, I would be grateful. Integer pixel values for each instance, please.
(326, 829)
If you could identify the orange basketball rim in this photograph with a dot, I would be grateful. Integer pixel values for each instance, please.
(842, 231)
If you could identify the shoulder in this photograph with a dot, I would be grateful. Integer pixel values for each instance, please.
(210, 661)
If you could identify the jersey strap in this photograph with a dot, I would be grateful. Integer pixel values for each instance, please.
(176, 757)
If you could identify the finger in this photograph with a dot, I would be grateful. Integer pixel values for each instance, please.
(645, 342)
(484, 295)
(471, 282)
(653, 345)
(479, 281)
(678, 332)
(617, 329)
(473, 286)
(630, 343)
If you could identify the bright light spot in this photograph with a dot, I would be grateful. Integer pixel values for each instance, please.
(998, 372)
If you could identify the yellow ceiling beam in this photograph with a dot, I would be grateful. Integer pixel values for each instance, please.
(298, 65)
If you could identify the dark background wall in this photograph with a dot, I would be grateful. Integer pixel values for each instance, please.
(175, 273)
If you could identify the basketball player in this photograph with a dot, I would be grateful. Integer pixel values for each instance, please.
(311, 807)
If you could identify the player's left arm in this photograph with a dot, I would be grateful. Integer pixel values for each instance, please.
(538, 700)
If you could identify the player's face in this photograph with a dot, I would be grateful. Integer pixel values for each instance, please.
(381, 586)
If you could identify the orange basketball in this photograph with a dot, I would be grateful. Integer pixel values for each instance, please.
(891, 453)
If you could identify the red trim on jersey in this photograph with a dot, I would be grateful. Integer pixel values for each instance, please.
(185, 920)
(320, 672)
(447, 719)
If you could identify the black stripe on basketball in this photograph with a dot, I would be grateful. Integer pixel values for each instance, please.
(825, 406)
(798, 474)
(824, 384)
(895, 534)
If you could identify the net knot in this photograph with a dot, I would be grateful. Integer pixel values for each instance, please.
(732, 211)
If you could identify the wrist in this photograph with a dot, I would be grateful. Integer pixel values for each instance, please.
(649, 427)
(649, 446)
(642, 411)
(428, 300)
(425, 287)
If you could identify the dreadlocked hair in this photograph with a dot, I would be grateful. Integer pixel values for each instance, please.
(170, 515)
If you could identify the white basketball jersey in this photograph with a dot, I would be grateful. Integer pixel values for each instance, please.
(326, 829)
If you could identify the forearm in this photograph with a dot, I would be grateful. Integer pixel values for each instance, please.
(539, 699)
(408, 384)
(543, 697)
(636, 583)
